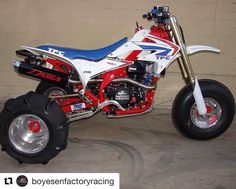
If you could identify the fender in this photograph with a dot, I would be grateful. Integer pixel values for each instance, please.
(201, 48)
(193, 49)
(37, 51)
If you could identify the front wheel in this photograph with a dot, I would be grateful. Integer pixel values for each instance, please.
(220, 111)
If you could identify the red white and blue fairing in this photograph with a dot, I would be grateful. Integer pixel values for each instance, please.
(145, 46)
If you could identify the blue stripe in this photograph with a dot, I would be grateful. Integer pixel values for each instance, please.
(164, 53)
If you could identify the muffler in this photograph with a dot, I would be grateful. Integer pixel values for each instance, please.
(42, 73)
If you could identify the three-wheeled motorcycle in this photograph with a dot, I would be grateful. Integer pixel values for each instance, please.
(119, 79)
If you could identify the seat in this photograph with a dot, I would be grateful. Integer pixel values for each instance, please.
(93, 55)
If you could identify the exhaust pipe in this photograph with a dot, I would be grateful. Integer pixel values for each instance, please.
(118, 80)
(40, 72)
(131, 81)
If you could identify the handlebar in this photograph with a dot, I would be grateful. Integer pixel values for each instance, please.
(158, 14)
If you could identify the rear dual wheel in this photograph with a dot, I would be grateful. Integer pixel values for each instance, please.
(33, 129)
(220, 111)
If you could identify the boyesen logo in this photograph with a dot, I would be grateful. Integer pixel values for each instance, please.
(22, 180)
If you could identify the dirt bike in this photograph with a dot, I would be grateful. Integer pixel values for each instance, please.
(119, 79)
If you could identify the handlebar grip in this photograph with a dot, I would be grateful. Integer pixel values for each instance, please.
(149, 16)
(144, 16)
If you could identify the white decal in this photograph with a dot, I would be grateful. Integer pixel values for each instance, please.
(55, 51)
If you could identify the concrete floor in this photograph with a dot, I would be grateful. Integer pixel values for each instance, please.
(147, 151)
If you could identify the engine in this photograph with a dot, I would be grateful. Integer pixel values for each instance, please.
(125, 94)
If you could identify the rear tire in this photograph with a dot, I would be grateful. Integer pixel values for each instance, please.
(33, 129)
(221, 110)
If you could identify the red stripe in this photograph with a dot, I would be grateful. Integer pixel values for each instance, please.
(133, 55)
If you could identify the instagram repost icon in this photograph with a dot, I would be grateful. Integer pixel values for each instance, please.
(22, 180)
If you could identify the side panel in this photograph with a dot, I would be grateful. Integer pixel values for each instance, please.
(153, 49)
(163, 52)
(89, 69)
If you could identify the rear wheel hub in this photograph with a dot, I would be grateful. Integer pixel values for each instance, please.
(28, 133)
(34, 126)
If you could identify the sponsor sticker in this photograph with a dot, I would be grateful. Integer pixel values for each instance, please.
(78, 106)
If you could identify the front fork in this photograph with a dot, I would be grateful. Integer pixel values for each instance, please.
(186, 68)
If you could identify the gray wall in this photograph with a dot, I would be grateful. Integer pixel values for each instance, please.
(92, 23)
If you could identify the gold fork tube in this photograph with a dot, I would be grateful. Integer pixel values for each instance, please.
(184, 61)
(180, 62)
(183, 70)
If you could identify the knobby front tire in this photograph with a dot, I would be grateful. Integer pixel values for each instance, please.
(220, 111)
